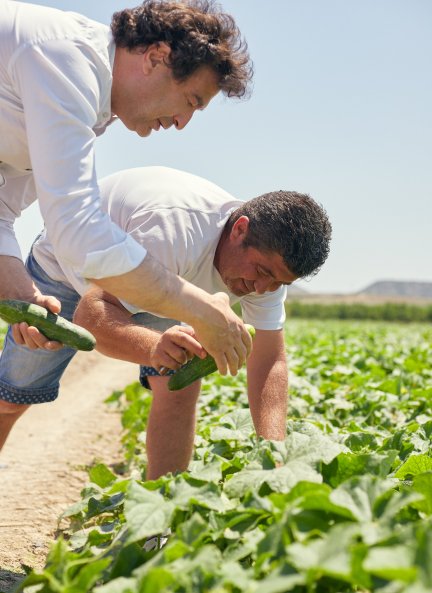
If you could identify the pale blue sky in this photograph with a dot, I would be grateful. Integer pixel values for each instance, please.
(341, 109)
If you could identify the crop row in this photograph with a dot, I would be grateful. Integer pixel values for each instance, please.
(343, 505)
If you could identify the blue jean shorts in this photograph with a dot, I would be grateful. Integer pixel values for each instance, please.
(33, 376)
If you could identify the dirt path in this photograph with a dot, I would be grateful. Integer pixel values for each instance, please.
(41, 466)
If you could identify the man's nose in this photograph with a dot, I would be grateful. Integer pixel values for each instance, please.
(261, 285)
(266, 285)
(182, 120)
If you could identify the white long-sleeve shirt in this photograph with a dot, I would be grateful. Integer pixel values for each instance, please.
(55, 98)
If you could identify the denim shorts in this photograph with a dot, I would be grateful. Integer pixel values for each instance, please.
(33, 376)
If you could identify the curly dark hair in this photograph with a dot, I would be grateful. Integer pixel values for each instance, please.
(198, 33)
(288, 223)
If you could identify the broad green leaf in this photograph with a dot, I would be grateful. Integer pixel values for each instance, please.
(101, 475)
(278, 584)
(184, 495)
(347, 465)
(236, 425)
(89, 575)
(309, 446)
(209, 472)
(422, 483)
(392, 563)
(414, 465)
(193, 530)
(359, 496)
(120, 585)
(329, 555)
(280, 479)
(147, 513)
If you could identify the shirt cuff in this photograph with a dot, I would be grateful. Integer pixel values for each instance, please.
(114, 261)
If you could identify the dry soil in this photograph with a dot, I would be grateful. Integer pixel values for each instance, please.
(42, 466)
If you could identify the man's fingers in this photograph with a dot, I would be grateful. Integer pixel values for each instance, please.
(233, 362)
(31, 337)
(17, 335)
(221, 363)
(190, 345)
(49, 302)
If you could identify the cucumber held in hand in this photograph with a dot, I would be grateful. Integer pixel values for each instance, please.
(52, 326)
(196, 368)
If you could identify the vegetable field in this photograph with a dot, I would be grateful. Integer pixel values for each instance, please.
(343, 505)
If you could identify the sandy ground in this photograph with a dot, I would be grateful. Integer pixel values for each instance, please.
(42, 464)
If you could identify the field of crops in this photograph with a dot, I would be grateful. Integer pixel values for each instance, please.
(3, 329)
(343, 505)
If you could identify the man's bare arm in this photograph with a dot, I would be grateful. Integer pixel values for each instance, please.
(153, 288)
(17, 284)
(119, 337)
(267, 375)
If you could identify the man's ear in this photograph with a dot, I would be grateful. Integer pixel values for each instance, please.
(155, 55)
(239, 230)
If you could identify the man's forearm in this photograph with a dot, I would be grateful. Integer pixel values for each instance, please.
(267, 375)
(153, 288)
(15, 281)
(115, 335)
(269, 403)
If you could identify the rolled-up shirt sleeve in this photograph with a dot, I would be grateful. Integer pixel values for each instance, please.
(16, 192)
(8, 243)
(61, 94)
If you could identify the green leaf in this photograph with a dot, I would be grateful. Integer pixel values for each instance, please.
(147, 512)
(422, 483)
(234, 426)
(120, 585)
(209, 496)
(330, 555)
(101, 475)
(278, 584)
(359, 495)
(280, 479)
(209, 472)
(347, 465)
(89, 575)
(309, 446)
(392, 563)
(414, 465)
(193, 530)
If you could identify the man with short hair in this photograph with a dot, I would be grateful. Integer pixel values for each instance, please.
(249, 250)
(63, 79)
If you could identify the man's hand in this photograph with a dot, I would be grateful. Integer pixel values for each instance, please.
(30, 336)
(175, 347)
(217, 327)
(224, 336)
(21, 287)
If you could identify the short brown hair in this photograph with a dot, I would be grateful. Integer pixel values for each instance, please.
(290, 224)
(198, 33)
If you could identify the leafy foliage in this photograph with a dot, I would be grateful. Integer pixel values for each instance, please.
(343, 505)
(384, 311)
(3, 330)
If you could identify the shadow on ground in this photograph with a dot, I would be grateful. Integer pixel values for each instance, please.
(9, 580)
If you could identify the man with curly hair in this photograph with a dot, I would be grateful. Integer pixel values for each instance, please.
(63, 79)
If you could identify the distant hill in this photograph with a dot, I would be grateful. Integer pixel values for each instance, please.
(399, 288)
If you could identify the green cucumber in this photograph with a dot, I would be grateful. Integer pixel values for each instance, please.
(196, 368)
(52, 326)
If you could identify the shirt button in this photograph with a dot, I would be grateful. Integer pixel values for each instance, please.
(105, 114)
